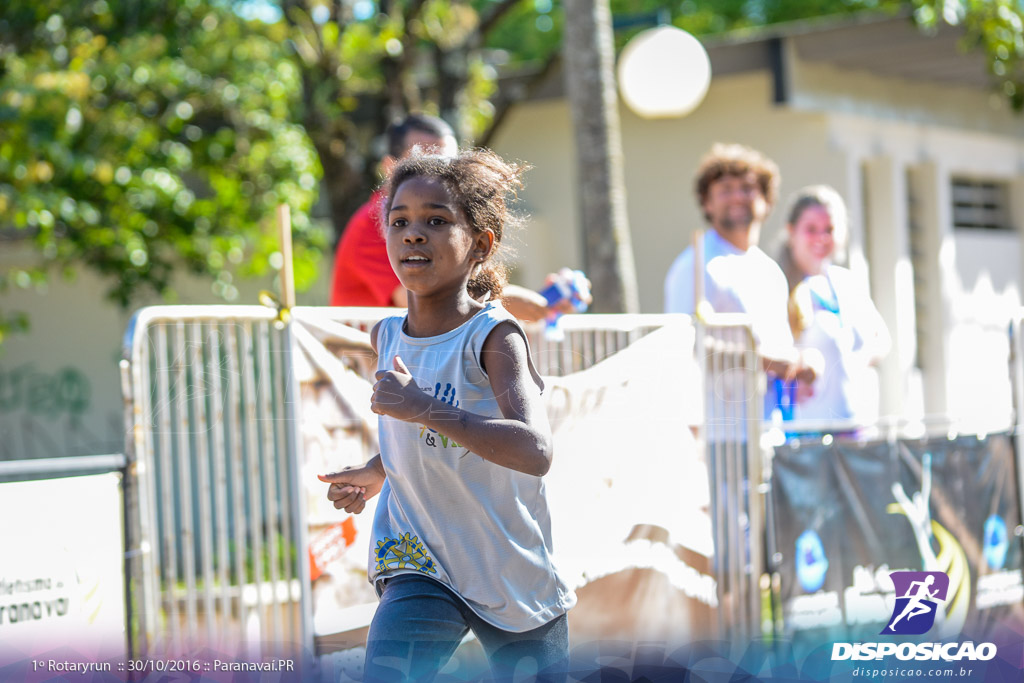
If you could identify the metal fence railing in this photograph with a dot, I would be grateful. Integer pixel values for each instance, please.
(214, 518)
(734, 386)
(588, 340)
(1016, 369)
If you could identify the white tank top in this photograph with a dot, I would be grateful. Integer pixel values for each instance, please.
(444, 512)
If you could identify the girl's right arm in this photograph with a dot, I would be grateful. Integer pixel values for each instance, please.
(350, 488)
(353, 486)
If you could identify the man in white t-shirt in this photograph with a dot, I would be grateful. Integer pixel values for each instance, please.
(736, 187)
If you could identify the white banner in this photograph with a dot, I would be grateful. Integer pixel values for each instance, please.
(62, 569)
(628, 493)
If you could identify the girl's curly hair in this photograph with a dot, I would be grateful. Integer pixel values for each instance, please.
(483, 185)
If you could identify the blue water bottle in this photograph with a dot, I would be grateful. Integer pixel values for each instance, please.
(785, 398)
(567, 285)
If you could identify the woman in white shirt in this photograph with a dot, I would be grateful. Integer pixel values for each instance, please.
(831, 311)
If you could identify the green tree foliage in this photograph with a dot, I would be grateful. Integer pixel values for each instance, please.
(535, 28)
(138, 138)
(364, 63)
(994, 26)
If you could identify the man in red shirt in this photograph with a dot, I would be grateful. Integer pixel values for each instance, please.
(362, 273)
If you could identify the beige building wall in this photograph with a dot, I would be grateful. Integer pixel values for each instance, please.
(59, 387)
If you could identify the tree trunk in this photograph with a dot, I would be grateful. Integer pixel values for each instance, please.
(589, 57)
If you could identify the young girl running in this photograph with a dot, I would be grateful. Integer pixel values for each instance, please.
(461, 537)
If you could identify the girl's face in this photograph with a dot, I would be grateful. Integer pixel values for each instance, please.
(811, 239)
(431, 246)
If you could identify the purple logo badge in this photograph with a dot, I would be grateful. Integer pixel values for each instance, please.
(917, 598)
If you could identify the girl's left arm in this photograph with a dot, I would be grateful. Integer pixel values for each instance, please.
(520, 439)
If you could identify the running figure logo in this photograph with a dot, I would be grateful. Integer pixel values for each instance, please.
(916, 604)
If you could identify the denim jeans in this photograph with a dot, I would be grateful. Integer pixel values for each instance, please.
(420, 622)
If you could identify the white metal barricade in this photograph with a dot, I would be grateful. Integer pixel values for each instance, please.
(734, 387)
(215, 527)
(1016, 369)
(588, 339)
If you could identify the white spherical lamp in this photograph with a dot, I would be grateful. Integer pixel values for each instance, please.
(663, 72)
